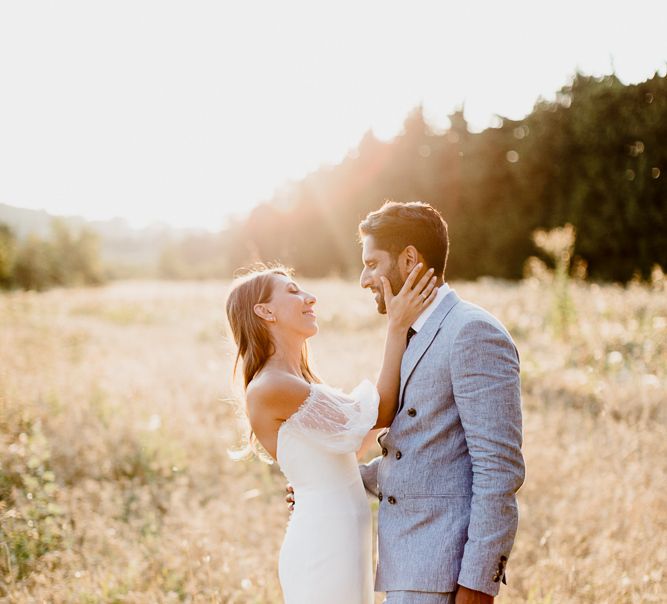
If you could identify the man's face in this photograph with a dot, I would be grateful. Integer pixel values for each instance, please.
(379, 263)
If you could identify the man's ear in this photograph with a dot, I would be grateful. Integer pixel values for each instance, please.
(264, 312)
(407, 259)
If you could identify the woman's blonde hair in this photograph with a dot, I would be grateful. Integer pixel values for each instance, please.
(251, 335)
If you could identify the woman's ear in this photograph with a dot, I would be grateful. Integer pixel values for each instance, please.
(264, 312)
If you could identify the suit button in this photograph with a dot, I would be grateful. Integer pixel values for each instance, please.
(399, 455)
(412, 412)
(380, 495)
(384, 451)
(391, 499)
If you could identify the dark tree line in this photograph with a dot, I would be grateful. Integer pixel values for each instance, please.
(595, 157)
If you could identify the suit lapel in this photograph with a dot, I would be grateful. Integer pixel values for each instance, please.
(422, 340)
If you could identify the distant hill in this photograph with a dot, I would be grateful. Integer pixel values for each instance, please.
(121, 245)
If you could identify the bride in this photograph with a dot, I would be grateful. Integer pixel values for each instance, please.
(314, 430)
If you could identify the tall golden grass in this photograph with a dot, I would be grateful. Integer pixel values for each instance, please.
(116, 418)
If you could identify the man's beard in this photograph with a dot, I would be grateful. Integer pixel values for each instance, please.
(395, 282)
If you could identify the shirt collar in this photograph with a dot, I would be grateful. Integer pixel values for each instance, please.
(443, 290)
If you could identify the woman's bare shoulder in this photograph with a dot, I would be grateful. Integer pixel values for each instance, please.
(278, 392)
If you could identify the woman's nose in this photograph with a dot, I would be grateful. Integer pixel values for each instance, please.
(310, 299)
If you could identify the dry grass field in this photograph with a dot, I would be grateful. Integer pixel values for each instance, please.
(115, 422)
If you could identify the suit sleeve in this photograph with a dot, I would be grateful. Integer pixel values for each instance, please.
(369, 475)
(487, 392)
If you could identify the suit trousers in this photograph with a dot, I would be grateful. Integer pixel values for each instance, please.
(419, 597)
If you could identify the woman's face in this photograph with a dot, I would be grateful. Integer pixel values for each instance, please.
(292, 307)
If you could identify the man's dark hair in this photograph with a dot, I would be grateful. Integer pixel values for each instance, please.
(397, 225)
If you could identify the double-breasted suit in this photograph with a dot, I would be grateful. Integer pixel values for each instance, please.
(451, 461)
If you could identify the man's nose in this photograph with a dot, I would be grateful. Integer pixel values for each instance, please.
(364, 281)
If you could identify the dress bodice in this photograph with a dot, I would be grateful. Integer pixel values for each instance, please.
(315, 443)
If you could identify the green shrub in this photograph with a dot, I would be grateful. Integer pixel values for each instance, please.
(32, 521)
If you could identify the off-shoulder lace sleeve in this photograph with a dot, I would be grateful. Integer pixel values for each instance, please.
(335, 420)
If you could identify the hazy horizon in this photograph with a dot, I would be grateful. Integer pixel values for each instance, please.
(187, 115)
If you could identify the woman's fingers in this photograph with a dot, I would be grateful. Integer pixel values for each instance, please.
(431, 296)
(430, 287)
(412, 277)
(415, 294)
(424, 282)
(386, 288)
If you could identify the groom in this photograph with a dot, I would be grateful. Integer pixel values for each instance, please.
(451, 460)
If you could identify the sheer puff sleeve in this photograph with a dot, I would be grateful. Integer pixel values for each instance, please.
(334, 420)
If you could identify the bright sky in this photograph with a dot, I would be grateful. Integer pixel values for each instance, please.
(188, 112)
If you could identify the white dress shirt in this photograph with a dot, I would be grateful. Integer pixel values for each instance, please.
(443, 290)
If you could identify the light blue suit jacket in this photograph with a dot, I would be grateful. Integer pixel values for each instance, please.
(452, 462)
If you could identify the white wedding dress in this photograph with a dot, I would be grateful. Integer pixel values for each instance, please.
(326, 556)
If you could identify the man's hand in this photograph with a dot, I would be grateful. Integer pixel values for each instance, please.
(289, 498)
(470, 596)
